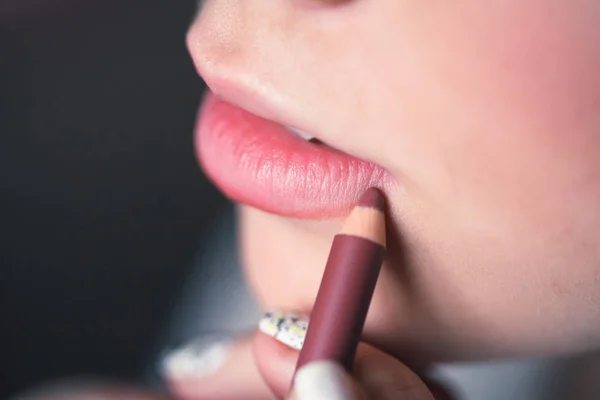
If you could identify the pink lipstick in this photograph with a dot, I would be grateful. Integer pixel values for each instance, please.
(263, 164)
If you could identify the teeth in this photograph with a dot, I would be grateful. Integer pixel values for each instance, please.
(301, 134)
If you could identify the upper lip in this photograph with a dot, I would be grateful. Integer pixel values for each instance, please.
(249, 98)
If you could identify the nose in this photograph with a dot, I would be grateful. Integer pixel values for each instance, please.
(216, 40)
(241, 39)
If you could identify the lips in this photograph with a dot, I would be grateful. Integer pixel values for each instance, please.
(263, 164)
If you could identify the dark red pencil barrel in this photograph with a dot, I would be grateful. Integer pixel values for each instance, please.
(342, 304)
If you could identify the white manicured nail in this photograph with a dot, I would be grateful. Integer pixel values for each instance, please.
(288, 328)
(322, 380)
(200, 358)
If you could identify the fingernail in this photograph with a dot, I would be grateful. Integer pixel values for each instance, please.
(322, 380)
(288, 328)
(199, 358)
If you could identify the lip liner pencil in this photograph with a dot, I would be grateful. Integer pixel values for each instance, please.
(347, 286)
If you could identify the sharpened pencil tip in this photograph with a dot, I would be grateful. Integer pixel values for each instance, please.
(372, 198)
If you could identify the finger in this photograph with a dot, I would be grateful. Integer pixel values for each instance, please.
(325, 380)
(385, 378)
(377, 373)
(276, 363)
(276, 346)
(215, 370)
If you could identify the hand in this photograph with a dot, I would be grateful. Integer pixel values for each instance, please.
(259, 367)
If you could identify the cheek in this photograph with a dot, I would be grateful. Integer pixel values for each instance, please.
(516, 98)
(499, 133)
(515, 158)
(480, 93)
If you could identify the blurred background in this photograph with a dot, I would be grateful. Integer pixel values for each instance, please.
(102, 204)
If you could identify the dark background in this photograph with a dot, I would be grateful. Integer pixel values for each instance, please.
(102, 203)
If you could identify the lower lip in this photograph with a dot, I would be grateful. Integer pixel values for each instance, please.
(260, 163)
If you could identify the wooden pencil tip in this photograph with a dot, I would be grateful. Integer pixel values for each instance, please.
(372, 198)
(367, 220)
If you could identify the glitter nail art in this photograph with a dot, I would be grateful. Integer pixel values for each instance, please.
(288, 328)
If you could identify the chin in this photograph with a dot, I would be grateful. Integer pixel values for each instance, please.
(422, 322)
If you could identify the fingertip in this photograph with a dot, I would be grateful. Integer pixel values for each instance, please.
(324, 380)
(275, 361)
(214, 371)
(382, 376)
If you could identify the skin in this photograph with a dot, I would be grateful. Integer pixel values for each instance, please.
(487, 114)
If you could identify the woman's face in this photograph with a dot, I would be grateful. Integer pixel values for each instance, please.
(482, 123)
